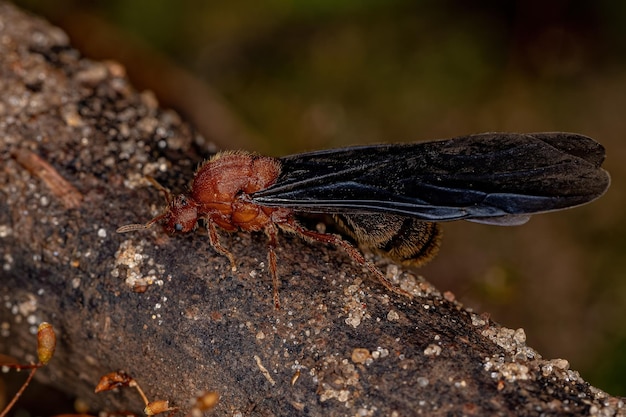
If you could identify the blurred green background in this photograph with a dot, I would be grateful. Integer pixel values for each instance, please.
(281, 77)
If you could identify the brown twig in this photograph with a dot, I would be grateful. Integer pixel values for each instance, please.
(19, 393)
(62, 189)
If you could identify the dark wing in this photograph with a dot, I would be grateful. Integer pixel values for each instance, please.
(498, 178)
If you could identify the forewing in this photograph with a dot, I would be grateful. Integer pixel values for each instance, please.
(492, 178)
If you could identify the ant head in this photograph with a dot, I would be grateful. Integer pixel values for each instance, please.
(181, 214)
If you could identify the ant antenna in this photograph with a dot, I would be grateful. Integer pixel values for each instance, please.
(168, 199)
(165, 191)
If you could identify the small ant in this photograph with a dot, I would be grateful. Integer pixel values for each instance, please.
(389, 198)
(221, 196)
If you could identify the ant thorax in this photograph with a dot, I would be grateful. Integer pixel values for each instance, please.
(222, 185)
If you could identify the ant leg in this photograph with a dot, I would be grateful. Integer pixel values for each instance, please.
(272, 233)
(291, 225)
(215, 242)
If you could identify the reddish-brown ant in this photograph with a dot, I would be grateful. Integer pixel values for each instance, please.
(389, 198)
(220, 195)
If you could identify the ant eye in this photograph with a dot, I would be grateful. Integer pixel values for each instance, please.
(183, 201)
(178, 227)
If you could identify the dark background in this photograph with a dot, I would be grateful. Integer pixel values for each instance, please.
(284, 76)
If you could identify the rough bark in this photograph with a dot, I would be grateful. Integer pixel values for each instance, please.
(76, 142)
